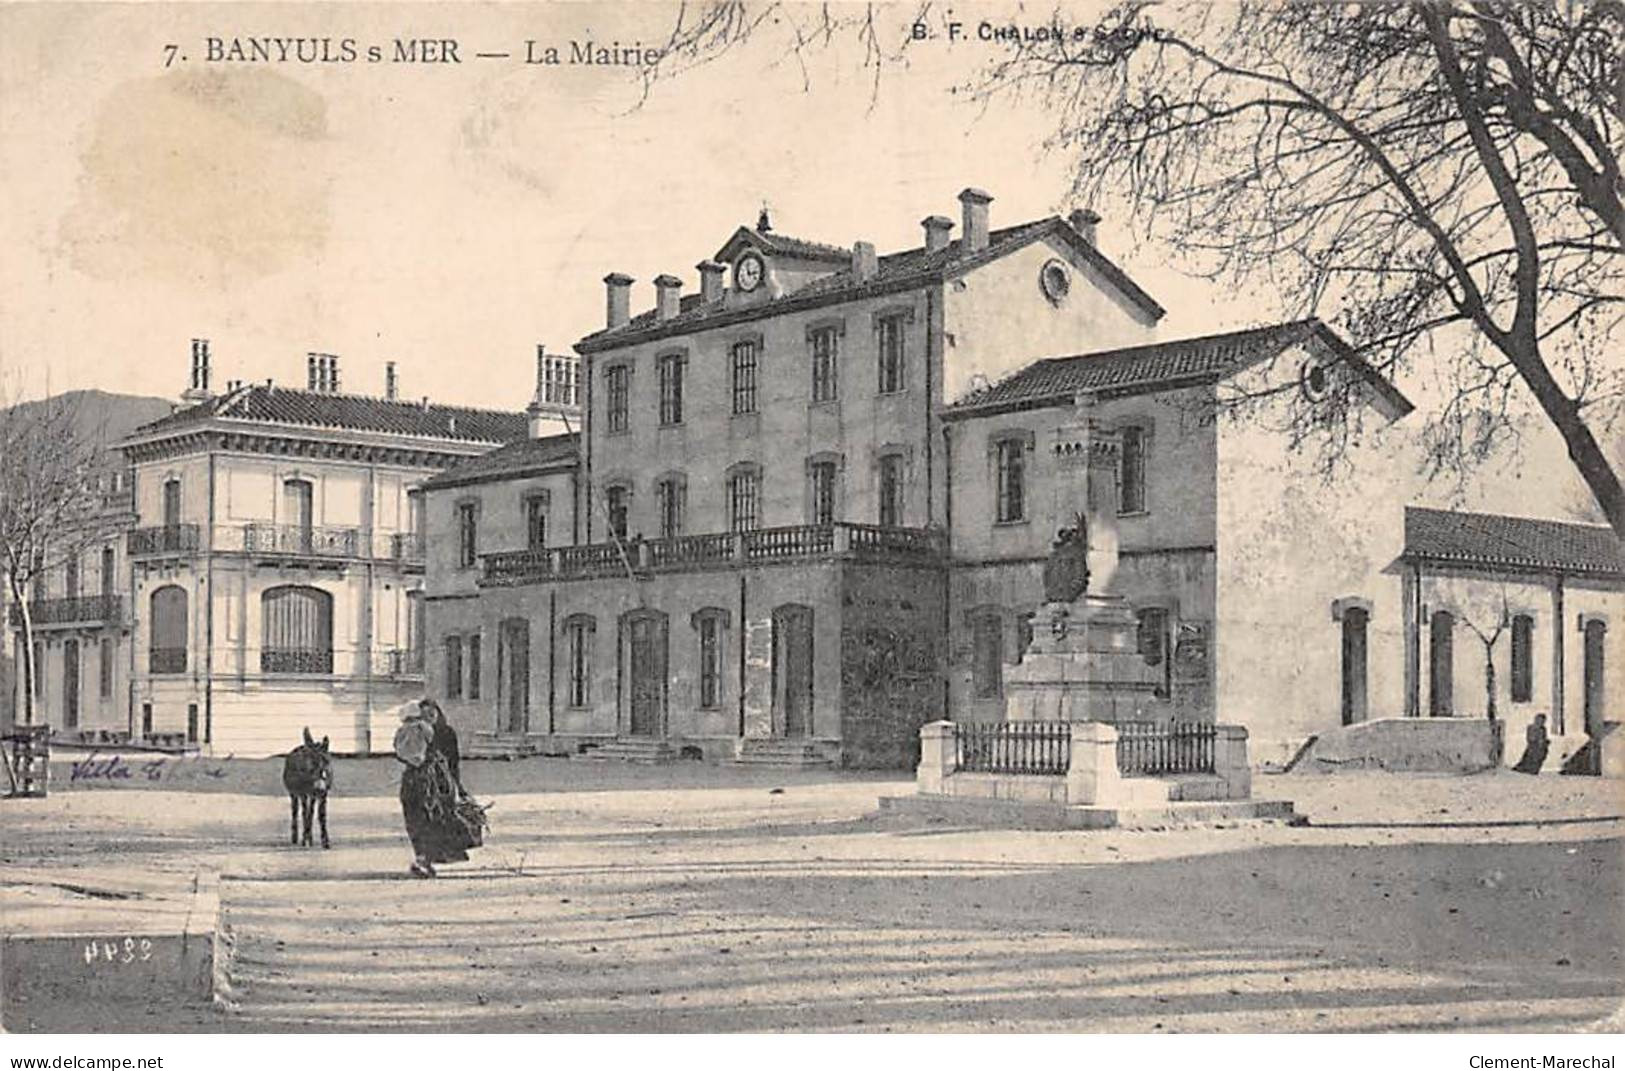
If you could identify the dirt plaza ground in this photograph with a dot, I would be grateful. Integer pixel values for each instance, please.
(693, 898)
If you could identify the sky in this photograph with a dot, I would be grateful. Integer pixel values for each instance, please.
(451, 216)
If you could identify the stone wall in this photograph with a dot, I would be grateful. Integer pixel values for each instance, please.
(1416, 745)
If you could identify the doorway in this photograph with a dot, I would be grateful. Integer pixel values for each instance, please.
(1596, 690)
(1441, 664)
(516, 675)
(793, 670)
(645, 669)
(1354, 664)
(70, 684)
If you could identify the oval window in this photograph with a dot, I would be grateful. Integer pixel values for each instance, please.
(1055, 280)
(1314, 381)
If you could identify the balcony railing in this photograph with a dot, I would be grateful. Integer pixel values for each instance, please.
(79, 610)
(792, 543)
(169, 539)
(273, 660)
(299, 541)
(399, 662)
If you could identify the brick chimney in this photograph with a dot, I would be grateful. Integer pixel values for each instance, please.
(1084, 221)
(710, 281)
(936, 232)
(392, 384)
(668, 296)
(864, 262)
(197, 389)
(973, 232)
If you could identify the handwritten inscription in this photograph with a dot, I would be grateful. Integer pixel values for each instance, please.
(114, 769)
(129, 950)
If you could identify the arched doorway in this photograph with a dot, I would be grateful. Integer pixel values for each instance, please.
(1441, 664)
(793, 670)
(1355, 619)
(1596, 689)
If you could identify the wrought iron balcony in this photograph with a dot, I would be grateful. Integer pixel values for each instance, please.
(791, 543)
(79, 610)
(397, 662)
(296, 540)
(273, 660)
(169, 539)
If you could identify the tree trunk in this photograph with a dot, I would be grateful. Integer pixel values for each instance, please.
(1587, 456)
(26, 662)
(1489, 680)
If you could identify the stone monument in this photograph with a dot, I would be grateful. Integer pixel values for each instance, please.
(1084, 662)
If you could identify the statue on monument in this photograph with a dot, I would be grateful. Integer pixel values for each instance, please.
(1066, 572)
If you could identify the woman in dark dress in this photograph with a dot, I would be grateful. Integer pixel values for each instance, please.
(1536, 744)
(430, 789)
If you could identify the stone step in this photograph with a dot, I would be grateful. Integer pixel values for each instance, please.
(646, 751)
(779, 751)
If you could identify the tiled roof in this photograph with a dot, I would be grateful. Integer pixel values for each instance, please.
(1157, 364)
(260, 403)
(773, 242)
(521, 458)
(894, 272)
(1495, 541)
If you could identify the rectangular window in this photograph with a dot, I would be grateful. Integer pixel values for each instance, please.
(744, 377)
(891, 490)
(106, 681)
(1523, 661)
(1152, 641)
(669, 500)
(1012, 489)
(617, 500)
(1131, 475)
(710, 661)
(824, 344)
(70, 585)
(889, 340)
(454, 667)
(474, 666)
(536, 522)
(109, 572)
(467, 535)
(617, 380)
(578, 637)
(742, 496)
(671, 389)
(821, 474)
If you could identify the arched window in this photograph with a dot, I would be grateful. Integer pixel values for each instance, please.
(1441, 664)
(298, 630)
(167, 643)
(1523, 659)
(1355, 620)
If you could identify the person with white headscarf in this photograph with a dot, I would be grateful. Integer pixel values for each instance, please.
(431, 787)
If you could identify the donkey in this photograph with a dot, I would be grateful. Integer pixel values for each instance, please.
(307, 774)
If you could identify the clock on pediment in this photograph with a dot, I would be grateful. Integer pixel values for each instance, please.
(749, 271)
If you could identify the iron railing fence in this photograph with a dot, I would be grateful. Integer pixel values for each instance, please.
(1155, 749)
(1013, 747)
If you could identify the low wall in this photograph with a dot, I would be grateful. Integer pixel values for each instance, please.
(1415, 745)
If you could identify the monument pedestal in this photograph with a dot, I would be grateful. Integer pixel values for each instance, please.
(1084, 664)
